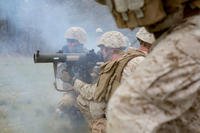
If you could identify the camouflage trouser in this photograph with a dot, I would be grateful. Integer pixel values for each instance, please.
(69, 111)
(84, 108)
(94, 114)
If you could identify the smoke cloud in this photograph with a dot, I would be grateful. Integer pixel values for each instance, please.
(27, 98)
(33, 24)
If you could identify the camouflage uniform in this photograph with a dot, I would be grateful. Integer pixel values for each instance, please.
(94, 110)
(163, 94)
(67, 106)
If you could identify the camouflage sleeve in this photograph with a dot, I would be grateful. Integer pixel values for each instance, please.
(130, 67)
(85, 90)
(164, 86)
(92, 110)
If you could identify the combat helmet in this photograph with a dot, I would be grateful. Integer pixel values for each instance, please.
(145, 36)
(77, 33)
(112, 39)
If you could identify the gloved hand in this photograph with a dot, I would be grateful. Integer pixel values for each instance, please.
(99, 126)
(97, 109)
(67, 101)
(65, 76)
(65, 104)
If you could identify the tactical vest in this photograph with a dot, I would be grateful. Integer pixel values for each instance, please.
(138, 13)
(110, 76)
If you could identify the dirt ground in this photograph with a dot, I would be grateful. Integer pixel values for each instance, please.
(28, 99)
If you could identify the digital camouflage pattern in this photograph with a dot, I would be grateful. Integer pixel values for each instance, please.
(94, 111)
(163, 93)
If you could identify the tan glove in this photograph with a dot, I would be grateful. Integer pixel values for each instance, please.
(99, 126)
(62, 73)
(66, 101)
(97, 109)
(65, 76)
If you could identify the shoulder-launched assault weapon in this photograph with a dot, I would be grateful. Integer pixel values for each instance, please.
(80, 64)
(57, 57)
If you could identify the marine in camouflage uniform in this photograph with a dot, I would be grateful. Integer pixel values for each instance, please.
(162, 96)
(93, 98)
(75, 37)
(146, 40)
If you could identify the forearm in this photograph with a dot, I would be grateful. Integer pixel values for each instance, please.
(85, 90)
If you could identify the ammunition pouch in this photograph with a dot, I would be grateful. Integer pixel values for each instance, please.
(136, 13)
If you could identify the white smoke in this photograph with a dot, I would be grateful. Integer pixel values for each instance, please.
(25, 88)
(49, 19)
